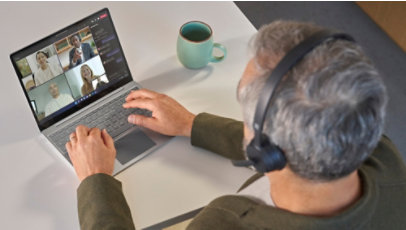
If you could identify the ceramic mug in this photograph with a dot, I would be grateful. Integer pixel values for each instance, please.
(195, 45)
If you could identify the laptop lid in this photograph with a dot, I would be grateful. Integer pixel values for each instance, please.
(71, 68)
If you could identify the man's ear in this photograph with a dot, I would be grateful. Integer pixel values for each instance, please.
(248, 133)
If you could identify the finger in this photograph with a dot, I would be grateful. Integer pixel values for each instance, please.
(68, 146)
(73, 138)
(82, 132)
(147, 122)
(108, 140)
(95, 132)
(141, 93)
(144, 103)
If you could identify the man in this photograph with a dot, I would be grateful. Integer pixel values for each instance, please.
(80, 52)
(58, 100)
(327, 118)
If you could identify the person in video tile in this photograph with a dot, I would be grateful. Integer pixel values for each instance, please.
(46, 70)
(87, 77)
(100, 83)
(80, 52)
(58, 100)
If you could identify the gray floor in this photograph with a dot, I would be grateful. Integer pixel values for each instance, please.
(348, 17)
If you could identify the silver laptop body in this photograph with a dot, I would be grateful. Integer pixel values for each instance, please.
(63, 93)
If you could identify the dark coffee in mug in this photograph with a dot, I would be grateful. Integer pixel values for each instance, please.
(196, 32)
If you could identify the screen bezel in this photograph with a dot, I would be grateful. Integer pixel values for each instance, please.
(52, 119)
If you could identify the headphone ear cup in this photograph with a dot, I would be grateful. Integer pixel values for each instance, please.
(267, 157)
(273, 157)
(253, 151)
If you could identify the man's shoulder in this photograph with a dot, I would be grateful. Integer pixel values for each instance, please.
(386, 164)
(71, 51)
(238, 212)
(223, 213)
(66, 97)
(50, 103)
(50, 106)
(85, 45)
(387, 168)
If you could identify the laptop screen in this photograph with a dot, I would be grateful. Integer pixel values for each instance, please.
(71, 68)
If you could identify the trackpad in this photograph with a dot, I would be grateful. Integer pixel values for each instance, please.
(132, 145)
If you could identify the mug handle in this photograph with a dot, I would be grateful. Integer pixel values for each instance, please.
(219, 58)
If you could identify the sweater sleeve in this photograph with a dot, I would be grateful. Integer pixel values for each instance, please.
(102, 205)
(220, 135)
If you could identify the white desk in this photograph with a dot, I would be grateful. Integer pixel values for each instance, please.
(38, 190)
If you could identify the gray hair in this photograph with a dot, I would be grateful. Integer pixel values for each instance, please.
(329, 109)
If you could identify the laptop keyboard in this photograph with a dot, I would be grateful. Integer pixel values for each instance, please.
(111, 116)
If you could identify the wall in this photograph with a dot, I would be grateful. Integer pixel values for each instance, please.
(390, 16)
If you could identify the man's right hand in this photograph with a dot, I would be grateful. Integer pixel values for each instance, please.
(168, 116)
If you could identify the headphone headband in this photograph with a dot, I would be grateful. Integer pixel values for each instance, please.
(287, 62)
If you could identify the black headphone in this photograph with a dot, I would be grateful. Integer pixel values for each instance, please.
(264, 155)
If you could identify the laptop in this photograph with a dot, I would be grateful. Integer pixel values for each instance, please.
(79, 75)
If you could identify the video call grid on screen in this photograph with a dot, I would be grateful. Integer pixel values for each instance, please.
(71, 68)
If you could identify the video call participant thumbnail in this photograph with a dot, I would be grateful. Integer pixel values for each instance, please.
(87, 77)
(58, 100)
(82, 79)
(47, 70)
(80, 52)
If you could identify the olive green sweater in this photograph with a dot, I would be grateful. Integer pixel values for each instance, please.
(102, 205)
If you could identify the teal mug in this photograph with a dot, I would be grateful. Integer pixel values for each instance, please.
(195, 45)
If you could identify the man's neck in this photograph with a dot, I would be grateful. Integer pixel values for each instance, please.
(298, 195)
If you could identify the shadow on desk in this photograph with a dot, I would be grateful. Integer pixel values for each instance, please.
(212, 169)
(16, 127)
(51, 194)
(162, 82)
